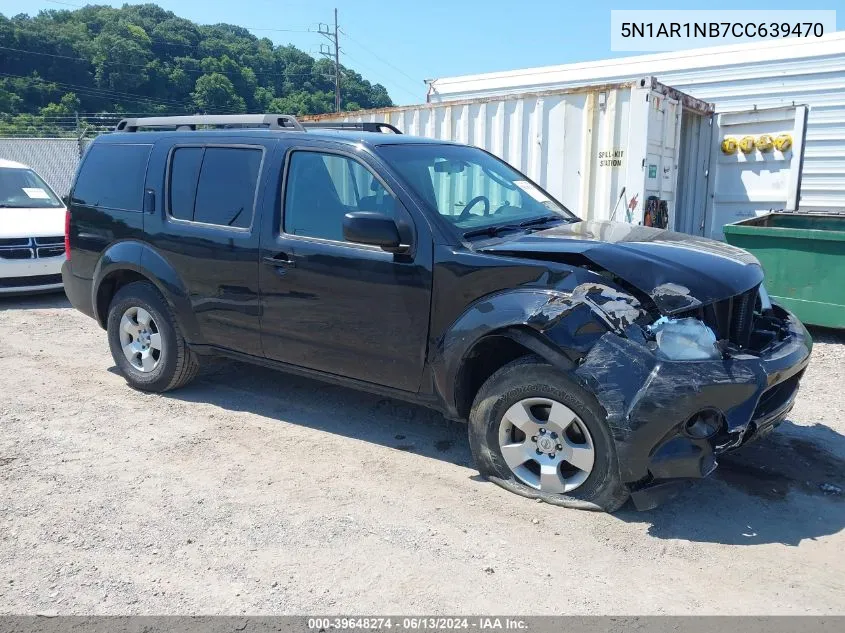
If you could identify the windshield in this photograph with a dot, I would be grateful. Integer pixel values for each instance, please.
(470, 188)
(23, 188)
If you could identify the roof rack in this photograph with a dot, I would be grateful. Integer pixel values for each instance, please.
(368, 126)
(190, 122)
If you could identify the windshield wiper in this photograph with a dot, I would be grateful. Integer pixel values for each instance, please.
(542, 220)
(494, 230)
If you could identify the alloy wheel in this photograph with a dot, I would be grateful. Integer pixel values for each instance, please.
(546, 445)
(140, 339)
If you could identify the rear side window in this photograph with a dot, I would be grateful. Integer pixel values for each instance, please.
(112, 176)
(214, 185)
(184, 173)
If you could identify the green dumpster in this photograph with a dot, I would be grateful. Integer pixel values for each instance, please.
(803, 255)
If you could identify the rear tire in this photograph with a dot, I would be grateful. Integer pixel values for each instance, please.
(563, 422)
(145, 340)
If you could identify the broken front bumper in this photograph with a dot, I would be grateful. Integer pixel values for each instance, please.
(649, 401)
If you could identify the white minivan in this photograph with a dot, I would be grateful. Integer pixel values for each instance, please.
(32, 232)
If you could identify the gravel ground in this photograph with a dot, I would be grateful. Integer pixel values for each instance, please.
(255, 492)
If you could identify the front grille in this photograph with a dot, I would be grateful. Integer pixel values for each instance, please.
(35, 280)
(733, 319)
(57, 240)
(742, 317)
(14, 241)
(32, 247)
(50, 251)
(16, 253)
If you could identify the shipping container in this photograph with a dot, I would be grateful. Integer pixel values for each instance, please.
(737, 77)
(639, 151)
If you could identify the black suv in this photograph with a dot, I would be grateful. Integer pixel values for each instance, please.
(593, 360)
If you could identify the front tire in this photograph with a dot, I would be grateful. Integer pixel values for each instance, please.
(146, 342)
(535, 432)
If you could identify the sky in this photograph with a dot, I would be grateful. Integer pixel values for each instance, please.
(403, 42)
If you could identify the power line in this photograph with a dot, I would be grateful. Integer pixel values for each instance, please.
(402, 88)
(98, 92)
(145, 66)
(379, 57)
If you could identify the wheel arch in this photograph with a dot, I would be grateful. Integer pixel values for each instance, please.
(500, 328)
(129, 261)
(492, 352)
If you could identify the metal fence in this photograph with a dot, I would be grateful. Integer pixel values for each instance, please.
(53, 146)
(54, 159)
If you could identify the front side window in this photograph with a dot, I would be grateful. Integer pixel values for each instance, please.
(322, 188)
(214, 185)
(23, 188)
(470, 188)
(112, 176)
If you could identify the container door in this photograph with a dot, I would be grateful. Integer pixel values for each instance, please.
(661, 161)
(651, 162)
(756, 161)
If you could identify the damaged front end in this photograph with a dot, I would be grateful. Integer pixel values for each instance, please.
(680, 390)
(675, 336)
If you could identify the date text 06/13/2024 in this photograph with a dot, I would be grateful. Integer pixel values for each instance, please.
(376, 623)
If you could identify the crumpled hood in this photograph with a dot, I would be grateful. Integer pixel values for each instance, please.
(677, 271)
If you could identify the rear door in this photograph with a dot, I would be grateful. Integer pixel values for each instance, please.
(106, 204)
(755, 165)
(207, 229)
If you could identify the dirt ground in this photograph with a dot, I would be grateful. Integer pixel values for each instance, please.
(254, 492)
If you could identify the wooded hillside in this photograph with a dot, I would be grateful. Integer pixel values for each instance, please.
(143, 59)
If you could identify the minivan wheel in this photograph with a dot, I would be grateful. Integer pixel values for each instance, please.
(537, 433)
(145, 341)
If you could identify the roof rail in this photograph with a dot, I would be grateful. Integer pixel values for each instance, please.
(367, 126)
(190, 122)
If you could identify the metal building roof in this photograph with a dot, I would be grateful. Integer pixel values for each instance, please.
(735, 77)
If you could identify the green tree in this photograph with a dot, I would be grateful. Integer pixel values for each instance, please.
(215, 93)
(66, 107)
(263, 98)
(296, 104)
(142, 58)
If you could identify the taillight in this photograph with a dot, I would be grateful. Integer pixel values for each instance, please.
(67, 233)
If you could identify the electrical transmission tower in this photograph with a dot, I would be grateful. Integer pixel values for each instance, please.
(332, 52)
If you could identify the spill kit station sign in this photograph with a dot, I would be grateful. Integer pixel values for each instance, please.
(611, 157)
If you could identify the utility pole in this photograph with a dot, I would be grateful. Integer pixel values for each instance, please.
(332, 36)
(336, 66)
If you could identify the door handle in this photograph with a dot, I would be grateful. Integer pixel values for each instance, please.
(149, 201)
(279, 261)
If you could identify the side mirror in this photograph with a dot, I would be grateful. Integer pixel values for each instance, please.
(376, 229)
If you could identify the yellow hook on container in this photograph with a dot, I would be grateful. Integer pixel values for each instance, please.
(783, 143)
(747, 144)
(764, 143)
(729, 145)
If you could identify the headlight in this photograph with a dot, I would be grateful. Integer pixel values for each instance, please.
(685, 339)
